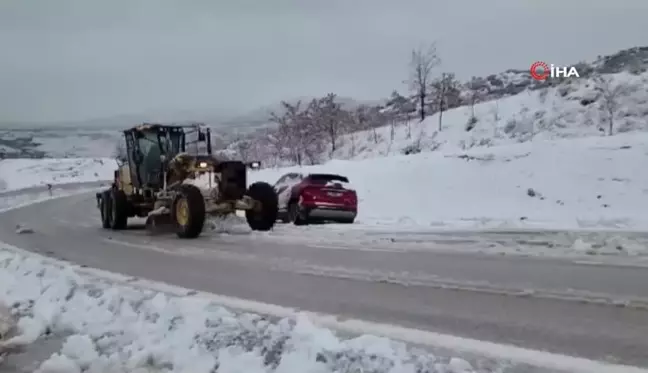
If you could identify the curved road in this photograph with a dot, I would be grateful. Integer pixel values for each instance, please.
(515, 300)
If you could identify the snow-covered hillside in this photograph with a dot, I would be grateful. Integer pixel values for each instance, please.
(573, 109)
(597, 182)
(608, 97)
(26, 173)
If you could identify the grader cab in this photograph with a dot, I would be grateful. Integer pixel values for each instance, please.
(169, 175)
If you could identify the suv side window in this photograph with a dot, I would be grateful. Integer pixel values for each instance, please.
(281, 180)
(294, 177)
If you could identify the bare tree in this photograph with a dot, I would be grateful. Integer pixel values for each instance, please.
(243, 149)
(369, 118)
(445, 90)
(401, 108)
(313, 128)
(276, 145)
(475, 93)
(377, 119)
(300, 131)
(393, 122)
(422, 63)
(610, 94)
(494, 110)
(288, 136)
(328, 117)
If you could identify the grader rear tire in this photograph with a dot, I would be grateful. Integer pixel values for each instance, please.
(118, 209)
(105, 209)
(264, 218)
(188, 211)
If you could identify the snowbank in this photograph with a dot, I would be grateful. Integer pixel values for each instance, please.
(123, 329)
(595, 182)
(25, 173)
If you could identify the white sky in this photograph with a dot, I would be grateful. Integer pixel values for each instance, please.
(80, 59)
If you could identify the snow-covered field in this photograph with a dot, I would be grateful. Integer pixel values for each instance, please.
(593, 183)
(25, 173)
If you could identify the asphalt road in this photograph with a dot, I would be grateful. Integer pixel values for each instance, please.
(409, 288)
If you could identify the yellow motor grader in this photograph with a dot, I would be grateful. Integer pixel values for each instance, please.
(169, 175)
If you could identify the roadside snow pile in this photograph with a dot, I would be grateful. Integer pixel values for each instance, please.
(25, 173)
(116, 328)
(595, 182)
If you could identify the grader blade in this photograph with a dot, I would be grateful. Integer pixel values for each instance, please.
(160, 224)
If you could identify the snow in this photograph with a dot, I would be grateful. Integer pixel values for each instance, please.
(84, 145)
(341, 184)
(585, 183)
(533, 161)
(7, 149)
(112, 327)
(112, 323)
(117, 328)
(24, 173)
(551, 113)
(115, 324)
(6, 321)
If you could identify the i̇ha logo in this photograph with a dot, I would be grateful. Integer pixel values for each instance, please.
(541, 71)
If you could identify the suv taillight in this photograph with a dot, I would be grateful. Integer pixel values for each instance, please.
(351, 198)
(309, 193)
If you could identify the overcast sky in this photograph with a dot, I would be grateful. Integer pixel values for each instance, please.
(80, 59)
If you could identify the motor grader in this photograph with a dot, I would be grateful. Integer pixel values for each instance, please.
(169, 176)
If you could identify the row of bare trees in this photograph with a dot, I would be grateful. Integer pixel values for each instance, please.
(309, 132)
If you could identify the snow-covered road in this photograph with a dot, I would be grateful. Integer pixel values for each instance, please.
(57, 317)
(504, 299)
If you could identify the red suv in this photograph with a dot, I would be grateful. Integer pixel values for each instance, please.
(316, 197)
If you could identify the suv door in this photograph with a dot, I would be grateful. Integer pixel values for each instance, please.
(283, 188)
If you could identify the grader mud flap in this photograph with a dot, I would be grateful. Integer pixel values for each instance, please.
(160, 224)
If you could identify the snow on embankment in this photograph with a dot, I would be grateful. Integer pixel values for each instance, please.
(570, 110)
(25, 173)
(595, 182)
(115, 328)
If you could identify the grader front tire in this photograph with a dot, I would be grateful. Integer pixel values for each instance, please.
(188, 212)
(265, 217)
